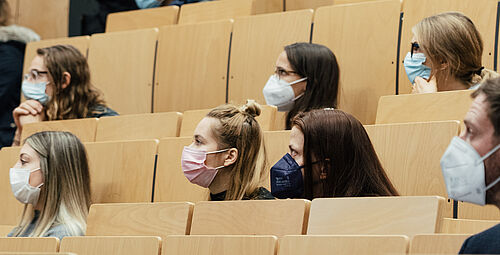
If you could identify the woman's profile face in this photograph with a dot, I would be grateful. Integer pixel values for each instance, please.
(38, 72)
(204, 140)
(286, 73)
(29, 159)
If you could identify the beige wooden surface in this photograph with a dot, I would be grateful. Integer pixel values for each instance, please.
(216, 10)
(191, 119)
(291, 5)
(451, 105)
(364, 76)
(477, 212)
(375, 215)
(123, 245)
(121, 65)
(170, 183)
(280, 121)
(48, 18)
(11, 213)
(139, 126)
(268, 6)
(80, 42)
(29, 244)
(37, 253)
(84, 129)
(13, 4)
(276, 143)
(140, 19)
(482, 12)
(139, 219)
(122, 171)
(191, 71)
(343, 245)
(256, 44)
(6, 229)
(241, 217)
(412, 161)
(212, 245)
(465, 226)
(437, 244)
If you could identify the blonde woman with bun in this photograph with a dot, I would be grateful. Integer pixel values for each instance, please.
(446, 54)
(227, 154)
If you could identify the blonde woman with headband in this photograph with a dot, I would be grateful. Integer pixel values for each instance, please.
(227, 154)
(52, 179)
(446, 53)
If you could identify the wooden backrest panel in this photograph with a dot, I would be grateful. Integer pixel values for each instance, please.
(216, 10)
(437, 244)
(212, 245)
(465, 226)
(140, 19)
(239, 217)
(379, 22)
(111, 245)
(477, 212)
(122, 171)
(254, 54)
(482, 12)
(29, 244)
(140, 126)
(375, 215)
(122, 65)
(191, 70)
(13, 209)
(84, 129)
(139, 219)
(48, 18)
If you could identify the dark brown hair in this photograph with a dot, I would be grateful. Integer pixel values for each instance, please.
(337, 146)
(76, 100)
(319, 65)
(491, 89)
(5, 14)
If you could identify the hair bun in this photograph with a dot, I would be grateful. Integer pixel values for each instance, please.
(252, 108)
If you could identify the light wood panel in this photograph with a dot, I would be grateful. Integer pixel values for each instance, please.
(211, 245)
(122, 66)
(139, 219)
(268, 6)
(140, 126)
(291, 5)
(102, 245)
(410, 154)
(477, 212)
(274, 217)
(464, 226)
(376, 23)
(170, 183)
(36, 253)
(482, 12)
(437, 244)
(48, 18)
(191, 71)
(266, 119)
(216, 10)
(11, 213)
(13, 4)
(80, 42)
(6, 229)
(140, 19)
(343, 245)
(257, 42)
(375, 215)
(276, 143)
(122, 171)
(451, 105)
(84, 129)
(29, 244)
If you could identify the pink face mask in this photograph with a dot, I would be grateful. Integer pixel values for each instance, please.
(194, 168)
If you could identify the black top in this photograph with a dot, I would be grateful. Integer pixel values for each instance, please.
(486, 242)
(260, 194)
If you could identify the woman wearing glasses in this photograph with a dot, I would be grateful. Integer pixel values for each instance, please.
(306, 77)
(58, 87)
(446, 52)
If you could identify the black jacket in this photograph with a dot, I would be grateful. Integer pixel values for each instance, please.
(487, 242)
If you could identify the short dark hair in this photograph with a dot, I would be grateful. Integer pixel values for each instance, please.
(491, 89)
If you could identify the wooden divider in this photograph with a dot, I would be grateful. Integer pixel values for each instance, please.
(216, 10)
(208, 245)
(140, 19)
(29, 244)
(12, 210)
(48, 18)
(465, 226)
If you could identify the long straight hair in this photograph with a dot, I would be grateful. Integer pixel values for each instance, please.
(319, 65)
(65, 194)
(239, 129)
(338, 148)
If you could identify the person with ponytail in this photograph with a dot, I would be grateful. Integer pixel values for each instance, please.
(227, 154)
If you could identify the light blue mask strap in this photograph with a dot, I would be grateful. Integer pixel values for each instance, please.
(490, 152)
(297, 81)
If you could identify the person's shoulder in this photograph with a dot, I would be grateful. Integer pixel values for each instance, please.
(486, 242)
(98, 111)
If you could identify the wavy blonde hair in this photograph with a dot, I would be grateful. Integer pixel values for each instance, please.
(239, 129)
(74, 101)
(452, 38)
(65, 194)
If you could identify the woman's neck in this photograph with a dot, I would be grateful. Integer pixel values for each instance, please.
(221, 181)
(450, 83)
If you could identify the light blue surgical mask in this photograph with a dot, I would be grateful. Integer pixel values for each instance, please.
(145, 4)
(35, 91)
(414, 66)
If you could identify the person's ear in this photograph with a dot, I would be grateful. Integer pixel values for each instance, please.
(66, 80)
(231, 157)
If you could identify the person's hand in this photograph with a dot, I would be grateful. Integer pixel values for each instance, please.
(422, 86)
(27, 112)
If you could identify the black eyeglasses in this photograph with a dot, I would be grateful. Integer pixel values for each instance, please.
(414, 46)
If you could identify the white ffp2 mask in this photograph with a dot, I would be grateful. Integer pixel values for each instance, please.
(23, 191)
(280, 93)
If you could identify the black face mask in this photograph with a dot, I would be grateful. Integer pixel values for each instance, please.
(286, 178)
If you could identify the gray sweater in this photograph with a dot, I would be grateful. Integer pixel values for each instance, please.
(58, 231)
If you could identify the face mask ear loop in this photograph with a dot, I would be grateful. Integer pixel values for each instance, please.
(297, 81)
(213, 152)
